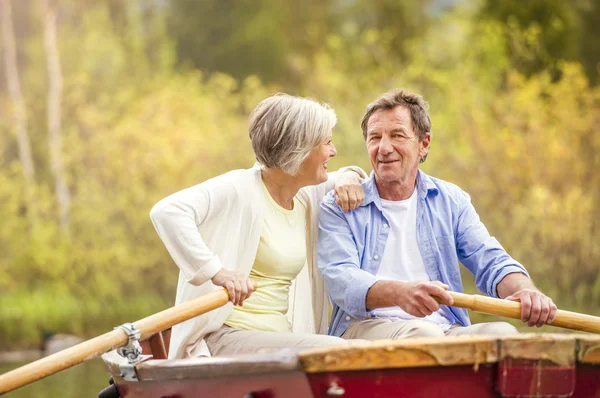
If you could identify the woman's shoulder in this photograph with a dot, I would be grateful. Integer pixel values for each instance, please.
(224, 187)
(234, 178)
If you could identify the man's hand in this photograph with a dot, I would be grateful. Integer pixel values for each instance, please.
(537, 309)
(348, 191)
(239, 286)
(416, 298)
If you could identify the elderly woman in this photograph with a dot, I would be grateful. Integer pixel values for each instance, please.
(254, 232)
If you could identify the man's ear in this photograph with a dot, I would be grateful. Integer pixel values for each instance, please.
(425, 143)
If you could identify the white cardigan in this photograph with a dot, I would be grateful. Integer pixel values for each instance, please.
(217, 224)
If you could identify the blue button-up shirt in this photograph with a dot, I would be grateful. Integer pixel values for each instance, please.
(351, 247)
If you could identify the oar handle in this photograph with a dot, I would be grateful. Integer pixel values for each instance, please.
(109, 341)
(512, 309)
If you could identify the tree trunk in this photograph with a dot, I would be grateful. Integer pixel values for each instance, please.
(18, 108)
(54, 114)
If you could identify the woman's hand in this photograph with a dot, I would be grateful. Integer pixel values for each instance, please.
(239, 286)
(348, 191)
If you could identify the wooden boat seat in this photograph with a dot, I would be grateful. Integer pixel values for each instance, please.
(157, 345)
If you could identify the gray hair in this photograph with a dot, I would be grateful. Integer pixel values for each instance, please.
(415, 104)
(285, 129)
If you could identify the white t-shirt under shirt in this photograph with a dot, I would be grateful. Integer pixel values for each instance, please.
(401, 260)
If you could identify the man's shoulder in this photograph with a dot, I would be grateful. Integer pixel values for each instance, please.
(330, 205)
(330, 202)
(443, 186)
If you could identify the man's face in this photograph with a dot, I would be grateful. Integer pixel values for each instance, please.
(393, 145)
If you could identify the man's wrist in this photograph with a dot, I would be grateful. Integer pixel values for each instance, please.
(512, 283)
(381, 294)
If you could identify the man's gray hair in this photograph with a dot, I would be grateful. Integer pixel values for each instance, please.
(285, 129)
(415, 104)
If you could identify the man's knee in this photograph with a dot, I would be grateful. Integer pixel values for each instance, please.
(418, 328)
(497, 328)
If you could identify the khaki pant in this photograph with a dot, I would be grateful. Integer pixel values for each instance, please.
(379, 328)
(230, 341)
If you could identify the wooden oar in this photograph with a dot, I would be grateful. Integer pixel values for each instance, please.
(512, 309)
(109, 341)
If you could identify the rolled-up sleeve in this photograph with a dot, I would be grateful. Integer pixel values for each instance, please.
(339, 262)
(481, 253)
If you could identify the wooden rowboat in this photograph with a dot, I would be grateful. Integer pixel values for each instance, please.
(525, 365)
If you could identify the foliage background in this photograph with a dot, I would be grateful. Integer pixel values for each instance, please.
(156, 95)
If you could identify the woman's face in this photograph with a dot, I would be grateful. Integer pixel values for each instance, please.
(313, 170)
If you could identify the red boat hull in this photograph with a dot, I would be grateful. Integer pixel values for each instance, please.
(447, 382)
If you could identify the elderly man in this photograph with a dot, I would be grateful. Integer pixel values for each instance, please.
(385, 262)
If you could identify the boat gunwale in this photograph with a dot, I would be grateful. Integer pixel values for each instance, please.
(370, 355)
(206, 367)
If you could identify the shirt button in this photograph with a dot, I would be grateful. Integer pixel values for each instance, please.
(376, 257)
(347, 318)
(385, 225)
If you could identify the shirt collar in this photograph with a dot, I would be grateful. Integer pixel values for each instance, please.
(425, 185)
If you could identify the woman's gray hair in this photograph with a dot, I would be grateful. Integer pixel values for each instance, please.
(285, 129)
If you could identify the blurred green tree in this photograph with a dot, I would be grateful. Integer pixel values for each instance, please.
(244, 38)
(137, 126)
(541, 33)
(271, 40)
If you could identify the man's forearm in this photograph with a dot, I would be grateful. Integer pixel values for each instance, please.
(513, 283)
(419, 298)
(382, 295)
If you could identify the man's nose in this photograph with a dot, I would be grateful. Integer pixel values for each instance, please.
(385, 145)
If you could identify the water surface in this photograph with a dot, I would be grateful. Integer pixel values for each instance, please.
(82, 381)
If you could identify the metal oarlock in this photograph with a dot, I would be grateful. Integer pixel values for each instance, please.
(132, 352)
